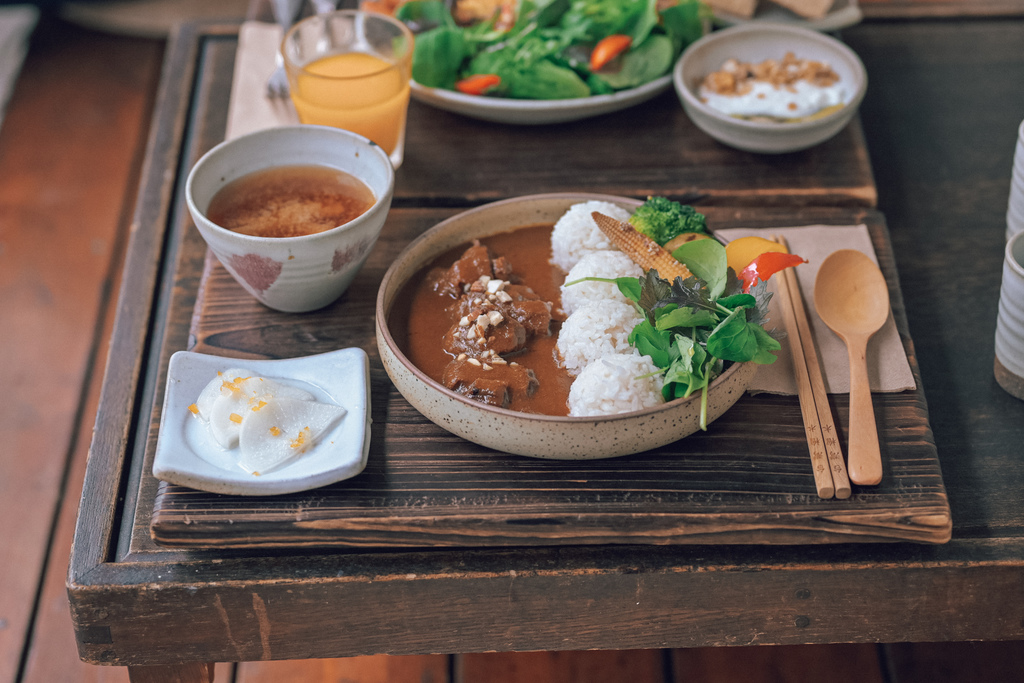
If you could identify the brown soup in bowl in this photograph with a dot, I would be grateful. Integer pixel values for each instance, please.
(289, 201)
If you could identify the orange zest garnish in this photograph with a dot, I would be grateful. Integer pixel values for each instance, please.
(235, 417)
(233, 386)
(301, 441)
(607, 49)
(194, 409)
(478, 84)
(274, 431)
(258, 405)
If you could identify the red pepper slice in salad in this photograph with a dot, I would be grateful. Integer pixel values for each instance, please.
(478, 84)
(766, 265)
(607, 49)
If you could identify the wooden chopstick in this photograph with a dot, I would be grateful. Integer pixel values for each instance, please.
(830, 475)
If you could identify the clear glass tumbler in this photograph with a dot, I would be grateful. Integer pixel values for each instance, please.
(351, 69)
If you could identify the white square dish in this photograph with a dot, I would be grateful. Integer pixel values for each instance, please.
(188, 455)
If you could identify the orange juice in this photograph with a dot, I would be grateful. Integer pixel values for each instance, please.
(358, 92)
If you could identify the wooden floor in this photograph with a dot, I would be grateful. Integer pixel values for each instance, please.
(70, 150)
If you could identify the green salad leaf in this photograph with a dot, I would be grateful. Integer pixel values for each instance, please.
(707, 260)
(645, 62)
(545, 54)
(438, 56)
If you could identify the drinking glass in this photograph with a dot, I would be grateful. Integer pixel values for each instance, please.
(351, 69)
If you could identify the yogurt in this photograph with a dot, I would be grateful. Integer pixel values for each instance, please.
(788, 89)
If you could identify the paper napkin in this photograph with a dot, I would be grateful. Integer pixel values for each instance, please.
(888, 367)
(255, 59)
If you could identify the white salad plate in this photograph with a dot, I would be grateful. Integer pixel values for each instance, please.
(188, 455)
(844, 13)
(537, 112)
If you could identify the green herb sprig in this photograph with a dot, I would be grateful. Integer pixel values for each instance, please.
(693, 327)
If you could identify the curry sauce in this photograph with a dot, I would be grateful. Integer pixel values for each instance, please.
(438, 332)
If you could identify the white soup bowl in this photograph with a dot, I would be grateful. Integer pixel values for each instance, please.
(307, 272)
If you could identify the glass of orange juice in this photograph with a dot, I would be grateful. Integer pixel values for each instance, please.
(351, 69)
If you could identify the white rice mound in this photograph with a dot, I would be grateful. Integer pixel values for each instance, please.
(606, 264)
(576, 233)
(615, 384)
(594, 330)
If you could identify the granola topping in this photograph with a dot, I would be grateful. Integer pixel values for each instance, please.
(790, 88)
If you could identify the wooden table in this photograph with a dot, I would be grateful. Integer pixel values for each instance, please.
(142, 605)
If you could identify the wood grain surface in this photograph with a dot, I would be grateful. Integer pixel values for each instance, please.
(48, 637)
(653, 148)
(945, 163)
(748, 479)
(934, 9)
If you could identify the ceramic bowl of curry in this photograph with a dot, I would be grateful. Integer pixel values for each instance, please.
(525, 433)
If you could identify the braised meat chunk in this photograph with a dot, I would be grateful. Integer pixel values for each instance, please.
(492, 381)
(484, 328)
(474, 264)
(526, 307)
(491, 317)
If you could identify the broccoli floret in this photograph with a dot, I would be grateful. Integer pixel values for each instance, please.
(662, 219)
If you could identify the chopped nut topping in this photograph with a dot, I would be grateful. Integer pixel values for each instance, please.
(474, 361)
(735, 77)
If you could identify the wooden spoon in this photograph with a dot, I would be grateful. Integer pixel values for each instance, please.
(852, 298)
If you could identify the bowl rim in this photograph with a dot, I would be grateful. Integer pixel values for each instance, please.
(381, 201)
(766, 27)
(393, 276)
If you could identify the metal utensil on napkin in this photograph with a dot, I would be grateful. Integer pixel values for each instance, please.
(286, 12)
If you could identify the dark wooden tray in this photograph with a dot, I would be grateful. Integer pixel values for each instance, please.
(747, 480)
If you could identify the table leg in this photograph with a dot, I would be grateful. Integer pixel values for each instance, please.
(194, 672)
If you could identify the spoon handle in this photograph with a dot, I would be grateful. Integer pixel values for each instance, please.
(864, 458)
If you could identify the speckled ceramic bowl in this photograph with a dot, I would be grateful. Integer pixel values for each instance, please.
(293, 274)
(756, 42)
(541, 436)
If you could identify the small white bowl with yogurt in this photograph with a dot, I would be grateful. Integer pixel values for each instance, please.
(770, 88)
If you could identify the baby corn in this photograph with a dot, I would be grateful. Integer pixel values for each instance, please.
(644, 251)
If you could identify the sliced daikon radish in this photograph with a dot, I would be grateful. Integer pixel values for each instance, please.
(212, 391)
(261, 386)
(232, 395)
(281, 430)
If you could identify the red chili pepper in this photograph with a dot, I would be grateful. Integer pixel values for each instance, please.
(766, 265)
(607, 49)
(478, 84)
